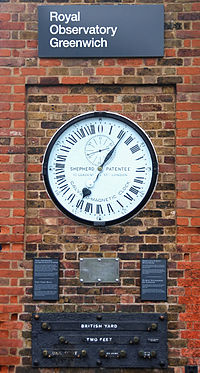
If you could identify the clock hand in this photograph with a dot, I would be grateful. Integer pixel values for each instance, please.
(97, 151)
(108, 156)
(90, 184)
(86, 192)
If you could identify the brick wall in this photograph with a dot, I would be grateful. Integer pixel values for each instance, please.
(36, 97)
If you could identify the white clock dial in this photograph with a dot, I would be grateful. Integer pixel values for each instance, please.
(100, 168)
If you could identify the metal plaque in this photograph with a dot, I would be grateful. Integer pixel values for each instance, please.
(123, 30)
(45, 279)
(107, 340)
(99, 270)
(154, 279)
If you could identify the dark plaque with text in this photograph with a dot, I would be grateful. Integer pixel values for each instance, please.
(45, 279)
(107, 340)
(122, 30)
(154, 279)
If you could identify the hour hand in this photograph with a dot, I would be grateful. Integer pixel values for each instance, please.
(86, 191)
(108, 156)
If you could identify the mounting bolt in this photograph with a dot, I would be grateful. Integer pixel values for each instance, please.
(102, 353)
(154, 326)
(44, 325)
(45, 353)
(122, 353)
(141, 353)
(83, 353)
(81, 279)
(117, 280)
(99, 279)
(153, 353)
(162, 317)
(36, 317)
(62, 339)
(136, 340)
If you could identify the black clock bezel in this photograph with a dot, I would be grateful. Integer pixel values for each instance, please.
(148, 143)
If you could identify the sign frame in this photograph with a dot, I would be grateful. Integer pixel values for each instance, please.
(40, 292)
(99, 340)
(154, 280)
(81, 31)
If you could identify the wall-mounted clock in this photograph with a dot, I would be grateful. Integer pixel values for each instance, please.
(100, 168)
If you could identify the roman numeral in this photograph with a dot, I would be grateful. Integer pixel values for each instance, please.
(65, 148)
(140, 169)
(110, 130)
(88, 207)
(64, 188)
(60, 166)
(99, 209)
(121, 134)
(71, 139)
(135, 148)
(79, 204)
(100, 128)
(120, 203)
(80, 134)
(71, 197)
(61, 178)
(139, 158)
(128, 141)
(91, 129)
(128, 196)
(109, 207)
(139, 180)
(61, 158)
(134, 190)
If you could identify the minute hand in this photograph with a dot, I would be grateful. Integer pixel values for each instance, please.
(109, 154)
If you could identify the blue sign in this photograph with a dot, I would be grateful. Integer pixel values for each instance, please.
(101, 30)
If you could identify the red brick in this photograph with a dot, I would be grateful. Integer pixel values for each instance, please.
(33, 71)
(182, 221)
(74, 80)
(12, 44)
(112, 107)
(110, 62)
(195, 7)
(10, 360)
(130, 62)
(188, 124)
(195, 151)
(195, 221)
(109, 71)
(5, 17)
(12, 25)
(49, 62)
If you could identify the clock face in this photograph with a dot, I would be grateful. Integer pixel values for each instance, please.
(100, 168)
